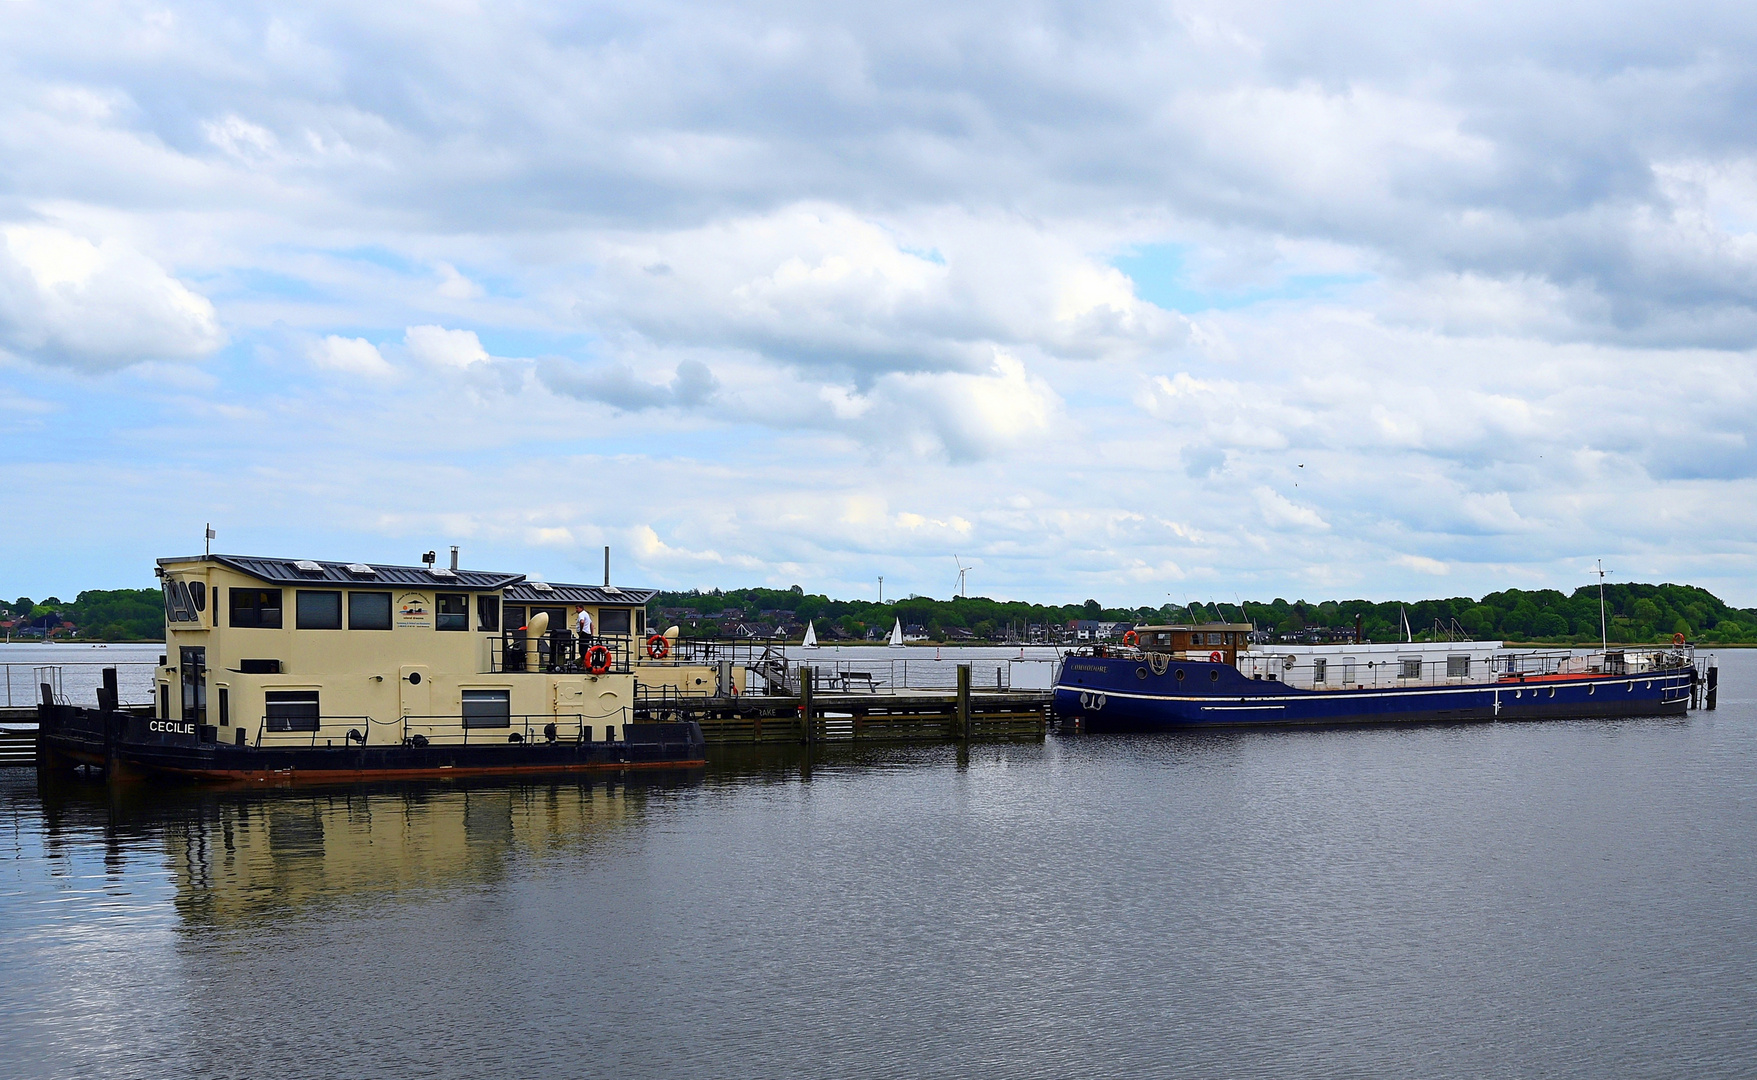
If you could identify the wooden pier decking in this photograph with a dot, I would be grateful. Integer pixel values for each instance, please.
(885, 716)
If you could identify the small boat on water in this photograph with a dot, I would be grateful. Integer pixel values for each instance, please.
(897, 634)
(291, 670)
(810, 641)
(1208, 675)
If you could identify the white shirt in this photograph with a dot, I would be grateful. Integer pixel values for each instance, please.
(585, 622)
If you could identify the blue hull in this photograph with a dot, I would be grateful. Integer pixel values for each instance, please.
(1125, 694)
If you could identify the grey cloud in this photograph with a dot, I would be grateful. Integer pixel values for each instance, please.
(618, 386)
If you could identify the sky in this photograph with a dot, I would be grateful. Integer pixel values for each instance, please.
(1136, 302)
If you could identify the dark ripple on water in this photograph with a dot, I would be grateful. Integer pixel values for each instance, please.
(1554, 899)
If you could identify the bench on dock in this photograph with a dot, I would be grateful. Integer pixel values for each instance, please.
(865, 679)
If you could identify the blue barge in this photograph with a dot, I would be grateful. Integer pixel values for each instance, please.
(1195, 677)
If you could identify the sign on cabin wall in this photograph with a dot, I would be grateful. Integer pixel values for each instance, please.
(414, 611)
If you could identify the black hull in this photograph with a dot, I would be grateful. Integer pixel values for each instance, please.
(126, 745)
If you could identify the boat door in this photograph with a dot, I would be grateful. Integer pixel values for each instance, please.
(417, 691)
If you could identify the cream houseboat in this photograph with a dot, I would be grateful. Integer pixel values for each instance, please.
(296, 669)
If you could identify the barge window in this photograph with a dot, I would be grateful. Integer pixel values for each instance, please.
(488, 614)
(256, 607)
(487, 708)
(1457, 667)
(192, 673)
(178, 605)
(613, 620)
(515, 616)
(369, 611)
(291, 710)
(453, 611)
(1320, 668)
(1408, 669)
(318, 609)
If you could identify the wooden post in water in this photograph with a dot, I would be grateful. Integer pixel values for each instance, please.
(963, 722)
(807, 729)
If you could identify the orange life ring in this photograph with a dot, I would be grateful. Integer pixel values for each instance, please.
(1215, 658)
(1130, 637)
(1678, 639)
(598, 659)
(657, 647)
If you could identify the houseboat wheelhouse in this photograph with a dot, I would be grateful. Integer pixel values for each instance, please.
(1194, 676)
(306, 670)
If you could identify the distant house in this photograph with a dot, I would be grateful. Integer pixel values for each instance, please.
(915, 632)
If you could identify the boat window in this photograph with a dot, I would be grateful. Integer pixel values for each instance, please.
(557, 616)
(164, 701)
(256, 607)
(225, 707)
(515, 616)
(488, 614)
(1320, 668)
(453, 611)
(198, 595)
(318, 609)
(1408, 668)
(1457, 667)
(369, 611)
(487, 708)
(178, 606)
(613, 620)
(291, 710)
(192, 673)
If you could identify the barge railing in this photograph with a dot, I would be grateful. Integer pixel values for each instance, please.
(445, 730)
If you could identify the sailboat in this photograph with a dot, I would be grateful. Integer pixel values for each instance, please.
(810, 635)
(897, 634)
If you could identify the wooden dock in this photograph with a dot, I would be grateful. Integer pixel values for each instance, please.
(961, 715)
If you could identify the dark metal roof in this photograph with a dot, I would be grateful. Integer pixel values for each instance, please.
(285, 572)
(561, 593)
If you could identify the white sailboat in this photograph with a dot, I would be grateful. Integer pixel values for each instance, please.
(897, 634)
(810, 635)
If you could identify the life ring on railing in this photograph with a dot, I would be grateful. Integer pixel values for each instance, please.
(1679, 639)
(657, 647)
(1215, 658)
(1130, 637)
(598, 659)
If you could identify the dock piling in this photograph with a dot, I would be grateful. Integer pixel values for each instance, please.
(962, 722)
(807, 728)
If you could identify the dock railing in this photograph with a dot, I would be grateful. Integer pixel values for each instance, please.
(76, 682)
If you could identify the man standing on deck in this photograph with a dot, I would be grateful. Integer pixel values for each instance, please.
(585, 627)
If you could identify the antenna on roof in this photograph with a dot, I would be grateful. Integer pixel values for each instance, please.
(430, 558)
(1604, 636)
(207, 544)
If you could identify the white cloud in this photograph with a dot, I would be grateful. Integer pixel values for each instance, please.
(444, 348)
(67, 301)
(351, 356)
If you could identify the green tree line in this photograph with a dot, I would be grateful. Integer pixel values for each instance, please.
(1635, 613)
(96, 614)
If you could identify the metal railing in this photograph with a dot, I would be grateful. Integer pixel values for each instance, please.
(71, 681)
(1338, 672)
(448, 730)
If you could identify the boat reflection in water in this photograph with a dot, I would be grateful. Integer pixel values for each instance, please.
(237, 857)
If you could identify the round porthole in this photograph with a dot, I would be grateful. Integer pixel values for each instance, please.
(1214, 675)
(1518, 693)
(1631, 687)
(1591, 690)
(1552, 691)
(1140, 673)
(414, 678)
(1648, 685)
(1180, 674)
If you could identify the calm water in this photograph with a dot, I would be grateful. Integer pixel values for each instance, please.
(1554, 899)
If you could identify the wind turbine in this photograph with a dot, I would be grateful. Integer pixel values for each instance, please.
(962, 570)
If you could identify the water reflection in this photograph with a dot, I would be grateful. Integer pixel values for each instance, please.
(239, 857)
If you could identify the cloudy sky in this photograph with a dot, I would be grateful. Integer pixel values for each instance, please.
(1120, 300)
